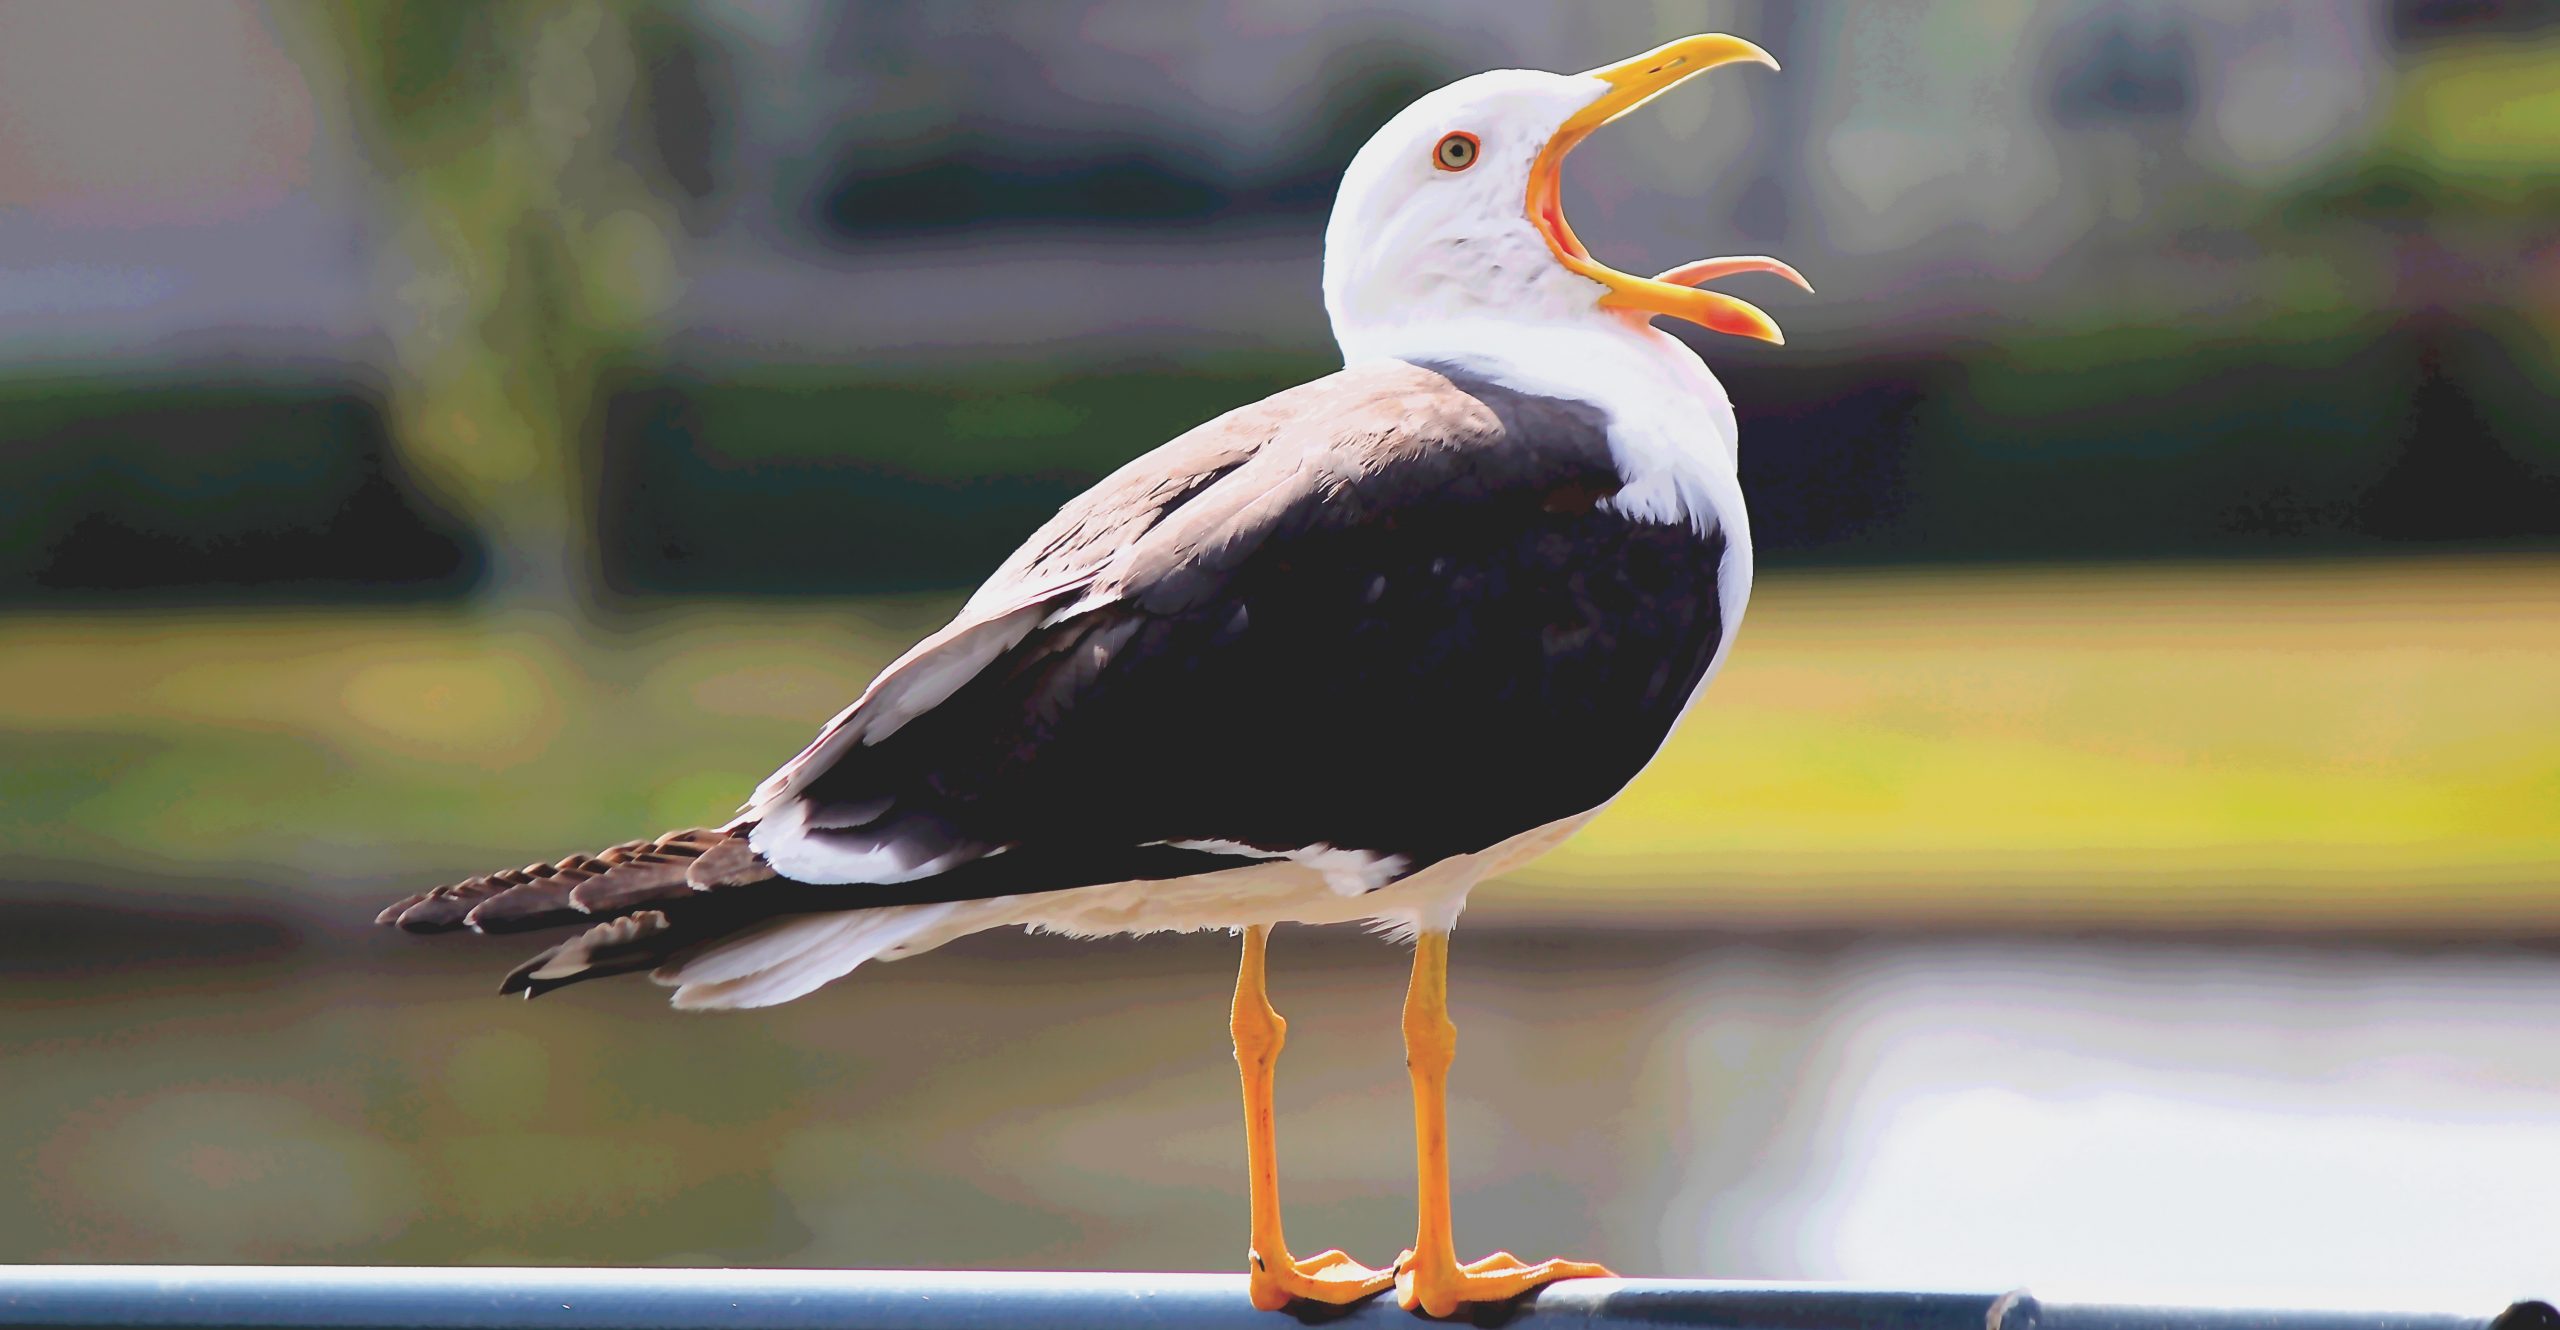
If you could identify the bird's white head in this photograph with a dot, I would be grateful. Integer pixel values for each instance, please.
(1450, 213)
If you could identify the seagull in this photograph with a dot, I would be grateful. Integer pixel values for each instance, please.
(1335, 656)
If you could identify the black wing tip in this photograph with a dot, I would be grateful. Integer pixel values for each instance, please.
(521, 985)
(638, 941)
(521, 980)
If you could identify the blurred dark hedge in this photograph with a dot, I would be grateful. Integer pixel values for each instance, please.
(2131, 444)
(217, 491)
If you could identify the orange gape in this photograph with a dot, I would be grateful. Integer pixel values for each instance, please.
(1632, 83)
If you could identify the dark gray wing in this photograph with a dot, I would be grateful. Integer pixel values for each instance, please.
(1405, 621)
(1060, 561)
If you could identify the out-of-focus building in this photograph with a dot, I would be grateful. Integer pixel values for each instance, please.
(170, 191)
(859, 181)
(1944, 164)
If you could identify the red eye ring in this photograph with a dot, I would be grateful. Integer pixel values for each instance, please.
(1456, 151)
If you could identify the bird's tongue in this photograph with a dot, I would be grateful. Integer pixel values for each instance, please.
(1676, 292)
(1707, 270)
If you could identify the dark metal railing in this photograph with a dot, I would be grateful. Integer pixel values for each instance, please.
(378, 1298)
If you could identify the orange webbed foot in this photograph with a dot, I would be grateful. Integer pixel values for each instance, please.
(1434, 1289)
(1327, 1277)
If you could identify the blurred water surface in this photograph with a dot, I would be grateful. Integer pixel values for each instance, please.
(2193, 1121)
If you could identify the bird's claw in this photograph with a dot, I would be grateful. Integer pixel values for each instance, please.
(1329, 1277)
(1440, 1289)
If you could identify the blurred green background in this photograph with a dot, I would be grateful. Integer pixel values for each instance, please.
(440, 435)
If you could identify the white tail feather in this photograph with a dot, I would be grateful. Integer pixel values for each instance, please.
(792, 957)
(743, 953)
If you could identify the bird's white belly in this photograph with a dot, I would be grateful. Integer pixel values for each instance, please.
(1274, 892)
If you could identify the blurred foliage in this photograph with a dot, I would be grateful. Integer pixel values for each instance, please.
(2446, 214)
(2323, 435)
(530, 253)
(2193, 440)
(2357, 744)
(866, 484)
(2484, 116)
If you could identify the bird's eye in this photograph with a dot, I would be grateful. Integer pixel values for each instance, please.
(1456, 152)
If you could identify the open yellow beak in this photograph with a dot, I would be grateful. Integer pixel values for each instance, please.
(1632, 83)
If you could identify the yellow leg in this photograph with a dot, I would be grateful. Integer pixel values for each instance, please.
(1430, 1279)
(1275, 1279)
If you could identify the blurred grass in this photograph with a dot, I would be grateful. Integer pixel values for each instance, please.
(2356, 744)
(2340, 745)
(2481, 115)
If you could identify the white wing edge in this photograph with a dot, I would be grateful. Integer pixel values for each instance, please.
(913, 684)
